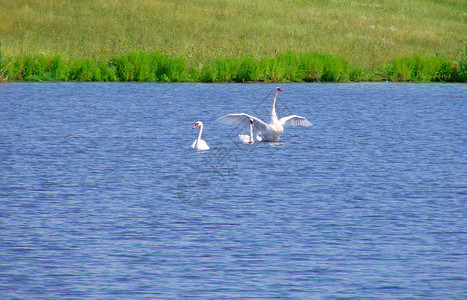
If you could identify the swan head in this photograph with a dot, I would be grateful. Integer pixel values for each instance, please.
(278, 89)
(251, 123)
(199, 123)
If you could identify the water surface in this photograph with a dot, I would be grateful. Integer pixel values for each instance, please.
(102, 197)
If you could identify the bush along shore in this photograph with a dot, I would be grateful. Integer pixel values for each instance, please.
(287, 67)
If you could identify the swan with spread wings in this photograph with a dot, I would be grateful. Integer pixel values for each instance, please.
(272, 131)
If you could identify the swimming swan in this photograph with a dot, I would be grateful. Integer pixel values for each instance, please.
(273, 130)
(199, 144)
(248, 139)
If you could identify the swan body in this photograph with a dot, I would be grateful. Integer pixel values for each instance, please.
(273, 130)
(199, 144)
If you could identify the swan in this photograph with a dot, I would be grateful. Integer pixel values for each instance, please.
(273, 130)
(199, 144)
(248, 139)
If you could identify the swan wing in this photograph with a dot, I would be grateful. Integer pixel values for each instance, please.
(294, 120)
(243, 120)
(202, 145)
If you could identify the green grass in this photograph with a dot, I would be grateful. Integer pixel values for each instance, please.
(233, 40)
(289, 67)
(426, 69)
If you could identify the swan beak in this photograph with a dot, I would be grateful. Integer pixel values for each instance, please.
(196, 125)
(279, 89)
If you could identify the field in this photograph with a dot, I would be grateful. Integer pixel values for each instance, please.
(216, 40)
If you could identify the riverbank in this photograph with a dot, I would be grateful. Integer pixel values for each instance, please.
(288, 67)
(367, 34)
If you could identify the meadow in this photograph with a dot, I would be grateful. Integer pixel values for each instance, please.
(232, 41)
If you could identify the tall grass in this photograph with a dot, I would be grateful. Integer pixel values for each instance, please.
(141, 66)
(287, 67)
(462, 66)
(421, 69)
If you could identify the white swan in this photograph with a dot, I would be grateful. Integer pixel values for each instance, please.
(273, 130)
(199, 144)
(248, 139)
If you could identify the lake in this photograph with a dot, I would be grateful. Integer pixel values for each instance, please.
(103, 198)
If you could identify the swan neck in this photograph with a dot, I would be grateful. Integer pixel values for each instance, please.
(273, 106)
(251, 133)
(200, 132)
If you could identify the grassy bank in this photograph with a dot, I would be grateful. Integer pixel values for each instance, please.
(367, 33)
(289, 67)
(208, 35)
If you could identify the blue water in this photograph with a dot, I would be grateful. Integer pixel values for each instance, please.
(102, 197)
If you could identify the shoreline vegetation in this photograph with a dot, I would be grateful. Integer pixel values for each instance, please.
(233, 40)
(288, 67)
